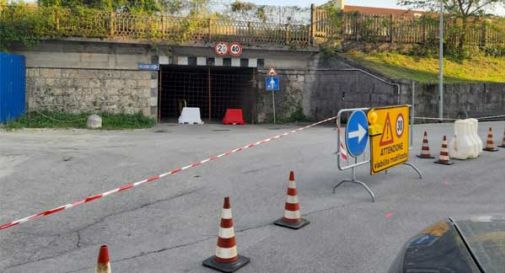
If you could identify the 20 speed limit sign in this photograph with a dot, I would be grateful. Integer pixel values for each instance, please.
(221, 49)
(235, 49)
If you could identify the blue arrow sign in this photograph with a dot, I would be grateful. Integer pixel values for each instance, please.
(272, 83)
(356, 133)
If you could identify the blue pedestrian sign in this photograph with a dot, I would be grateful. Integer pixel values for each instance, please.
(272, 83)
(356, 133)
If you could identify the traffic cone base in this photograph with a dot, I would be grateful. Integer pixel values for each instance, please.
(444, 162)
(292, 225)
(226, 267)
(501, 146)
(491, 149)
(426, 156)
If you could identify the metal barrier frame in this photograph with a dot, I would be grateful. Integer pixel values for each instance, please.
(360, 163)
(356, 162)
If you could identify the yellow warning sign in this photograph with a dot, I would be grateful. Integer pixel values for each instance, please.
(391, 147)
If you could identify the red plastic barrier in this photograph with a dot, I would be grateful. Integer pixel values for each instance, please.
(233, 116)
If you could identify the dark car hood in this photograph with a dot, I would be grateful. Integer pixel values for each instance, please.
(485, 239)
(475, 245)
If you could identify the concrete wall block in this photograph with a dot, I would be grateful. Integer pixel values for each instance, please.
(32, 72)
(50, 73)
(130, 83)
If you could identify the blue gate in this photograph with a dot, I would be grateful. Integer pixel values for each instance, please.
(12, 86)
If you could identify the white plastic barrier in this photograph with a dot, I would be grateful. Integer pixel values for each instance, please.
(190, 115)
(462, 145)
(476, 137)
(466, 142)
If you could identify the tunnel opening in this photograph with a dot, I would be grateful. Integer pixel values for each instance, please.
(212, 89)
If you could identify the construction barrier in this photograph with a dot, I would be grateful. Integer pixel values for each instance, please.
(475, 134)
(463, 144)
(190, 115)
(233, 117)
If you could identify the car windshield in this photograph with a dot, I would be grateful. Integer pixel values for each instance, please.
(486, 241)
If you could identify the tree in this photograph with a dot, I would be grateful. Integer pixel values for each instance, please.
(460, 9)
(117, 5)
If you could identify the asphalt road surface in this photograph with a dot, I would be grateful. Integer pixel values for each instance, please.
(171, 225)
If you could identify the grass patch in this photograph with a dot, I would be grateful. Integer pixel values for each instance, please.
(46, 119)
(425, 70)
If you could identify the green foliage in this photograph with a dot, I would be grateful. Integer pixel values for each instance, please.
(147, 6)
(46, 119)
(297, 115)
(497, 51)
(477, 68)
(22, 24)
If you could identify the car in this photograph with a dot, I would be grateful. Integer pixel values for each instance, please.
(475, 245)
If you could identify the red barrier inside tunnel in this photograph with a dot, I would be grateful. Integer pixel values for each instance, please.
(233, 116)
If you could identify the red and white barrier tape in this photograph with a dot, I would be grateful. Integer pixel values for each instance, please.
(152, 178)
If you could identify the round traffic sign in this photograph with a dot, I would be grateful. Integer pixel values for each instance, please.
(221, 48)
(235, 49)
(400, 125)
(356, 133)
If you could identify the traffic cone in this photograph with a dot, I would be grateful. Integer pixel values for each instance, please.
(503, 141)
(444, 154)
(425, 149)
(490, 147)
(292, 218)
(103, 263)
(226, 258)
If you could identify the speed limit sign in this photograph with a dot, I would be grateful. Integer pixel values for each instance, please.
(235, 49)
(399, 125)
(221, 48)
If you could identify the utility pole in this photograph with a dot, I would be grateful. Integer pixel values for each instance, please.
(441, 64)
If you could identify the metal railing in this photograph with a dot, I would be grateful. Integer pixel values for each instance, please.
(92, 23)
(55, 22)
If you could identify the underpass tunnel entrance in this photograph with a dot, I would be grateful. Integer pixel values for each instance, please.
(212, 89)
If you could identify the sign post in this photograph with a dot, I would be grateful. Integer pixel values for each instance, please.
(272, 85)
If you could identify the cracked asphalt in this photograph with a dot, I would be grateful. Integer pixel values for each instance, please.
(171, 225)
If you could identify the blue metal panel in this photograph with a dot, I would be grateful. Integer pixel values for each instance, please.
(12, 86)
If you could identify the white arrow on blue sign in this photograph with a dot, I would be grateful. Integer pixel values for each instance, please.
(356, 133)
(272, 83)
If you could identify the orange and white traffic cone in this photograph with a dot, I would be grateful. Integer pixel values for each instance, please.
(103, 263)
(292, 217)
(503, 141)
(444, 154)
(425, 149)
(226, 258)
(490, 147)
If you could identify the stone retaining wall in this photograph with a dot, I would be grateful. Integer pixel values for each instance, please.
(89, 90)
